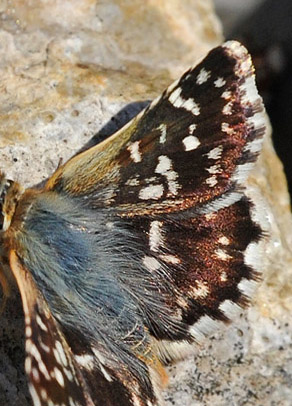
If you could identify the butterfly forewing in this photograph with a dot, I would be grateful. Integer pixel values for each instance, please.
(191, 146)
(141, 245)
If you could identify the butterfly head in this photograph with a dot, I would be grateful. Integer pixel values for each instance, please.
(10, 192)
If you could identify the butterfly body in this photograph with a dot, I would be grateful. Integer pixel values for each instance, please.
(137, 247)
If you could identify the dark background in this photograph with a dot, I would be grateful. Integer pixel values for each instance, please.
(265, 28)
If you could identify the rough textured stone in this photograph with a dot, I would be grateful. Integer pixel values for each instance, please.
(65, 68)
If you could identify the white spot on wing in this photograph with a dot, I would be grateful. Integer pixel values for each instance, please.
(212, 181)
(151, 263)
(175, 98)
(219, 82)
(215, 153)
(224, 240)
(171, 259)
(59, 377)
(27, 364)
(133, 182)
(254, 146)
(192, 106)
(44, 394)
(32, 351)
(226, 95)
(226, 128)
(134, 151)
(152, 179)
(86, 361)
(28, 331)
(72, 402)
(191, 142)
(250, 91)
(69, 375)
(242, 171)
(27, 320)
(163, 130)
(57, 356)
(45, 347)
(155, 235)
(203, 76)
(151, 192)
(61, 352)
(192, 128)
(41, 323)
(214, 169)
(101, 364)
(189, 104)
(34, 395)
(247, 287)
(227, 109)
(164, 167)
(201, 290)
(221, 254)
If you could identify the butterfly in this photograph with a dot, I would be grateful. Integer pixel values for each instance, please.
(138, 247)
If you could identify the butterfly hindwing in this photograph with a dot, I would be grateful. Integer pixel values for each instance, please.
(201, 267)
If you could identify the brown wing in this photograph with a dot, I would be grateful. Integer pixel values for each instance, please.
(49, 364)
(204, 268)
(173, 232)
(192, 147)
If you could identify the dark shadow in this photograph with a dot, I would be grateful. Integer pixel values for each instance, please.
(267, 33)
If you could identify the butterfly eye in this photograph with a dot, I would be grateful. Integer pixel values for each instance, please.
(5, 184)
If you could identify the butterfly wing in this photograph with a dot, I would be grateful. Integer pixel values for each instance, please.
(75, 375)
(191, 148)
(140, 244)
(175, 175)
(204, 266)
(53, 376)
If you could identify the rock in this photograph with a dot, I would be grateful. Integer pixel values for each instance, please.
(66, 68)
(63, 78)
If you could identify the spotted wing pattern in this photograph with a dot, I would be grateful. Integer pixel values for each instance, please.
(49, 365)
(191, 148)
(140, 246)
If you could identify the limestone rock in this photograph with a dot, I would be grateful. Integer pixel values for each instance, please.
(68, 66)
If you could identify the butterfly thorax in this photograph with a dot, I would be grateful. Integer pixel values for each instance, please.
(10, 193)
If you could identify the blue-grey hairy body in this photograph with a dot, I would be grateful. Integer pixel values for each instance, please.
(85, 264)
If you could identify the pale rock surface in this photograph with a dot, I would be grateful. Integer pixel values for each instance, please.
(66, 67)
